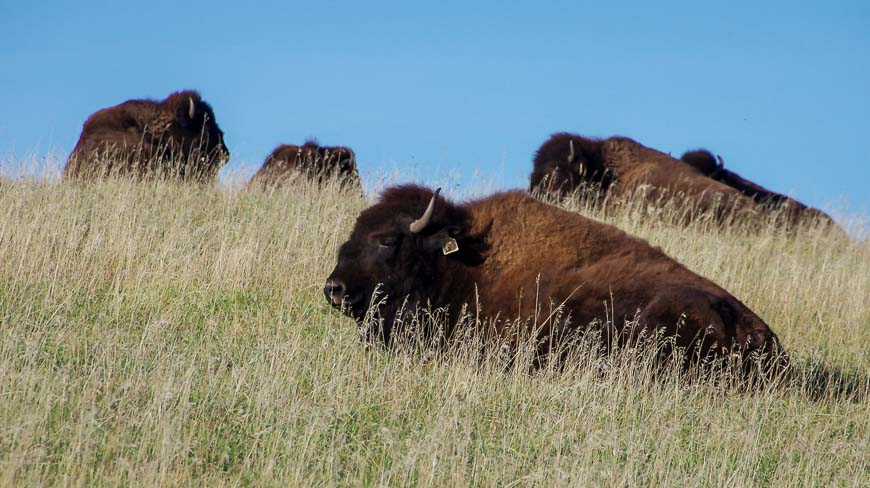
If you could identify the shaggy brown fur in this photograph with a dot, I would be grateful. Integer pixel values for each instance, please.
(622, 167)
(557, 171)
(517, 255)
(318, 163)
(178, 137)
(795, 211)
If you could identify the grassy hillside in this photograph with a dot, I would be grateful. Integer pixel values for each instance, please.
(155, 333)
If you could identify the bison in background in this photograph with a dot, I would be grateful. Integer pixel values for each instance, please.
(506, 256)
(174, 138)
(311, 161)
(621, 167)
(568, 161)
(795, 211)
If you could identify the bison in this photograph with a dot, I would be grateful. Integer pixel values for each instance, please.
(619, 167)
(176, 138)
(310, 160)
(503, 256)
(795, 211)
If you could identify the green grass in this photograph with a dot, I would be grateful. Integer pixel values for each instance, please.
(157, 333)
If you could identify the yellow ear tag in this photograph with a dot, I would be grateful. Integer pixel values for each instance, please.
(450, 246)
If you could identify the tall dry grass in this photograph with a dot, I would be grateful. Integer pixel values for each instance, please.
(160, 333)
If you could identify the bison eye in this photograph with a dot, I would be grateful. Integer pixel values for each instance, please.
(388, 241)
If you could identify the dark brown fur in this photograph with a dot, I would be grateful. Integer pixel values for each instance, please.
(310, 160)
(554, 172)
(795, 211)
(143, 138)
(516, 255)
(703, 161)
(622, 167)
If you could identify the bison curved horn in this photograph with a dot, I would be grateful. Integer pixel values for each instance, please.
(423, 222)
(191, 111)
(571, 153)
(721, 162)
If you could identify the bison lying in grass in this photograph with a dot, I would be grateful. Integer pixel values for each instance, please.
(175, 138)
(310, 160)
(504, 257)
(619, 167)
(714, 168)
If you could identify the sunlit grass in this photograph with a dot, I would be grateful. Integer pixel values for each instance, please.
(160, 333)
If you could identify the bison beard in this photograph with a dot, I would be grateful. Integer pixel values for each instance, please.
(423, 251)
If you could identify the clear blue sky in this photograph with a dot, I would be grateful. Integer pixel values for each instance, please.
(780, 90)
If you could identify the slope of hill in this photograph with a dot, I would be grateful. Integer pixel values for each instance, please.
(154, 333)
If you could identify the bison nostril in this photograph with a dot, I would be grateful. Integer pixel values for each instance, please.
(334, 291)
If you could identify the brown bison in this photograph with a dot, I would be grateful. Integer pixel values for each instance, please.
(619, 167)
(505, 255)
(177, 138)
(714, 168)
(310, 160)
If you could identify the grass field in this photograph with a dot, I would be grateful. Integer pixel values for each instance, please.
(156, 333)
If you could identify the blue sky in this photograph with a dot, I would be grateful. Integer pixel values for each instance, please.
(780, 90)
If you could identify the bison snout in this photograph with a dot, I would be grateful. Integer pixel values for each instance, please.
(335, 291)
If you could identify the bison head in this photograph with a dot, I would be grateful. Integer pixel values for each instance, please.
(566, 161)
(194, 131)
(703, 161)
(339, 161)
(319, 162)
(411, 248)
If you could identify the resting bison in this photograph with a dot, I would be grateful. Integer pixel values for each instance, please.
(318, 163)
(714, 168)
(178, 137)
(505, 254)
(619, 167)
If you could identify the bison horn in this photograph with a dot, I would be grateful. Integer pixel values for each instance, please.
(423, 222)
(721, 162)
(191, 111)
(571, 153)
